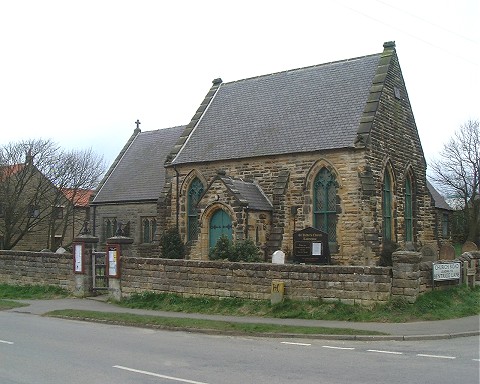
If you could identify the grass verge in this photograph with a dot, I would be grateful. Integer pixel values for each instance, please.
(435, 305)
(9, 304)
(27, 292)
(184, 324)
(31, 292)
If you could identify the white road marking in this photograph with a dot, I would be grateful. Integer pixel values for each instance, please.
(387, 352)
(436, 356)
(343, 348)
(476, 359)
(6, 342)
(158, 375)
(302, 344)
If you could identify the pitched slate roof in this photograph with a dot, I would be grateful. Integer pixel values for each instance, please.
(138, 174)
(301, 110)
(248, 193)
(437, 198)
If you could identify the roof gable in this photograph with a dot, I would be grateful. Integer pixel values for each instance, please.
(247, 193)
(302, 110)
(439, 200)
(138, 175)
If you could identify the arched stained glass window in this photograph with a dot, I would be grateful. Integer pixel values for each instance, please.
(194, 193)
(387, 206)
(408, 209)
(325, 203)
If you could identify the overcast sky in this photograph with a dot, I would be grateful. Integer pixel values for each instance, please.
(82, 72)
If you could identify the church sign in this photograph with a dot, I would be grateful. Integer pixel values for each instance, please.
(310, 246)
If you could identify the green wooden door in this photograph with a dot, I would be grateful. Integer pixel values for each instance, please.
(220, 224)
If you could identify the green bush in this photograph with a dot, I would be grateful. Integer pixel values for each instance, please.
(246, 250)
(225, 249)
(172, 245)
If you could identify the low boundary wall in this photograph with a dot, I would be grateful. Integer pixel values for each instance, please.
(363, 285)
(407, 278)
(45, 268)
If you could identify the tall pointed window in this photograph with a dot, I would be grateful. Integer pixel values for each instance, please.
(408, 209)
(149, 229)
(325, 203)
(387, 206)
(110, 227)
(194, 193)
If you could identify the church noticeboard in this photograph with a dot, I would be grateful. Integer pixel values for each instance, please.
(310, 246)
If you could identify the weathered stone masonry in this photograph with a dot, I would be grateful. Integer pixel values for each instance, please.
(42, 268)
(361, 285)
(407, 279)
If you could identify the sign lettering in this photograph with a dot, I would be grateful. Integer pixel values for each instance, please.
(310, 246)
(446, 271)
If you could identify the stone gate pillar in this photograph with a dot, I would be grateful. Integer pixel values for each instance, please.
(82, 264)
(406, 275)
(117, 247)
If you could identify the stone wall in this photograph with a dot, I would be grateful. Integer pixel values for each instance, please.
(408, 278)
(361, 285)
(42, 268)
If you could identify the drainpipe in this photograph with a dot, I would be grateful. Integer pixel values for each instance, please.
(178, 193)
(94, 221)
(246, 224)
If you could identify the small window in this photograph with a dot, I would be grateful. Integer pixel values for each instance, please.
(33, 211)
(57, 213)
(398, 94)
(445, 225)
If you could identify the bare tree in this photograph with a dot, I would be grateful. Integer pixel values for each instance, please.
(38, 181)
(457, 173)
(76, 173)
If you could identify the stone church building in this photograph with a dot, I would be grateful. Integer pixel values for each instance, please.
(331, 146)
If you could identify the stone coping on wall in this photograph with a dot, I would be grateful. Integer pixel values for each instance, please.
(350, 284)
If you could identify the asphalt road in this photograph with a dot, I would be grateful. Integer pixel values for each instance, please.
(40, 350)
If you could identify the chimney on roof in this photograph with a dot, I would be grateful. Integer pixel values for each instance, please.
(29, 157)
(217, 81)
(389, 45)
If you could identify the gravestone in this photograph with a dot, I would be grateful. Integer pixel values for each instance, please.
(447, 252)
(278, 257)
(429, 253)
(469, 246)
(310, 246)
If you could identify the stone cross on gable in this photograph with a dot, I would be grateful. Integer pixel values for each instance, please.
(138, 123)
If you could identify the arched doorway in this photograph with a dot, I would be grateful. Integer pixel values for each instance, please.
(220, 224)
